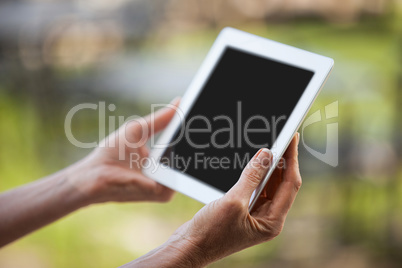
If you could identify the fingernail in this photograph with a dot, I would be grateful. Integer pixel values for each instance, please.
(264, 156)
(298, 138)
(175, 99)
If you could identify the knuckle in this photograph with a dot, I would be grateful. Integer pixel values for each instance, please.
(233, 206)
(297, 183)
(258, 164)
(276, 230)
(254, 176)
(270, 230)
(162, 194)
(165, 199)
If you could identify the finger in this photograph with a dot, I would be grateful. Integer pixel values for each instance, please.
(291, 182)
(251, 176)
(160, 119)
(163, 193)
(144, 151)
(152, 190)
(273, 183)
(264, 200)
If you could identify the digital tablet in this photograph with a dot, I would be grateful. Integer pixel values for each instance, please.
(249, 93)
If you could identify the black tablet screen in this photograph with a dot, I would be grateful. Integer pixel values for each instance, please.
(242, 107)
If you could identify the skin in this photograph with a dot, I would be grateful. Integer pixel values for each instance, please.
(100, 177)
(219, 229)
(226, 226)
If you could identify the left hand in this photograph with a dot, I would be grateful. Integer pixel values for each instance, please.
(106, 176)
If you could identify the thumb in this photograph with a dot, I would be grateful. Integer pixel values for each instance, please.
(252, 175)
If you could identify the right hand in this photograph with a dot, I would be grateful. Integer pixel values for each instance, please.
(225, 226)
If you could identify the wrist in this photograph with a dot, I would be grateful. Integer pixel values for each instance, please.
(177, 252)
(187, 252)
(81, 183)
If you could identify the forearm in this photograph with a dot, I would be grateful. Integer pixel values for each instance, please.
(177, 252)
(37, 204)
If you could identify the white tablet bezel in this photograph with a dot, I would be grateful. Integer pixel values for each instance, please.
(229, 37)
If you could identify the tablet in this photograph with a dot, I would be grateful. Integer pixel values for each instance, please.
(249, 93)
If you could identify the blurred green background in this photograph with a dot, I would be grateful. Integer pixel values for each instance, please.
(57, 54)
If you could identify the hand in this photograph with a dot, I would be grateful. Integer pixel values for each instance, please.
(226, 226)
(110, 173)
(104, 175)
